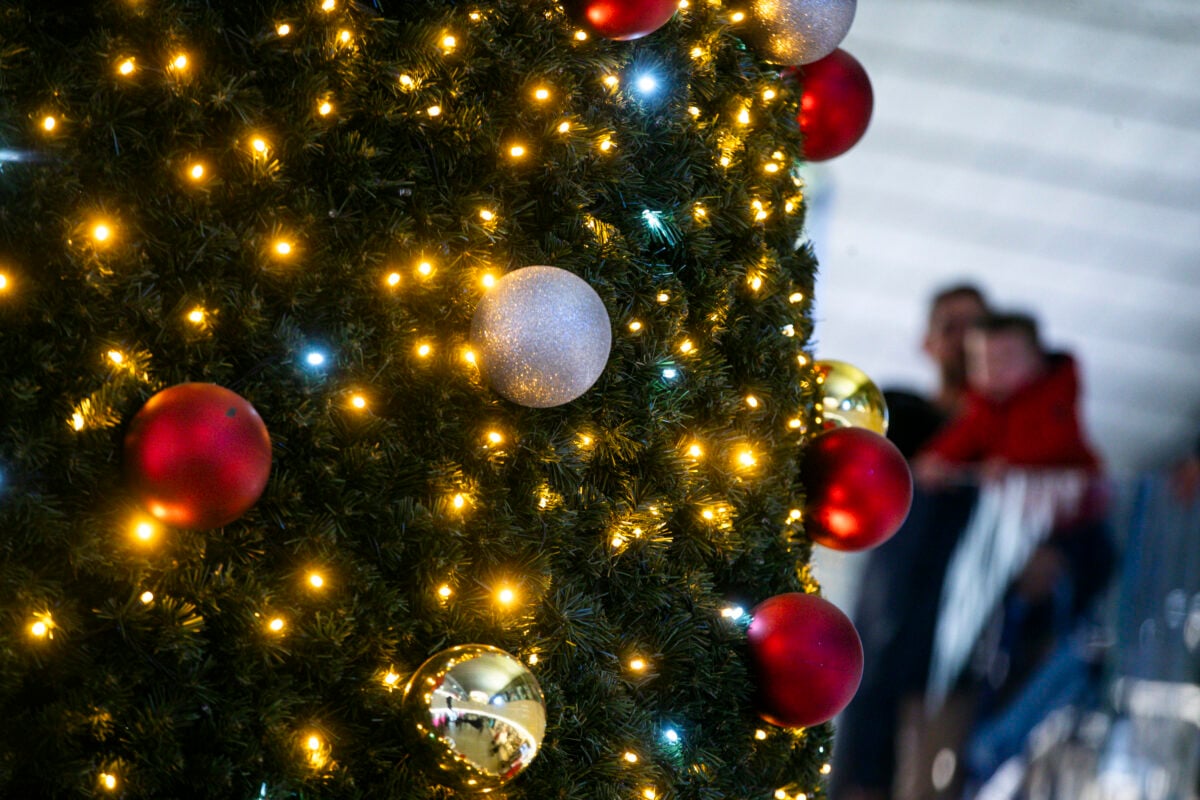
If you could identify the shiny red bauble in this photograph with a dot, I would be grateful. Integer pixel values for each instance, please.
(197, 456)
(858, 489)
(806, 657)
(620, 19)
(835, 104)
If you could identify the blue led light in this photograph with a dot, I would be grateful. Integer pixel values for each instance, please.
(646, 83)
(670, 373)
(314, 358)
(671, 735)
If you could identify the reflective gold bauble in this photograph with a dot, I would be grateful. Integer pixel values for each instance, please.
(482, 712)
(849, 399)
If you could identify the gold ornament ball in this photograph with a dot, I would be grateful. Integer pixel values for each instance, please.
(849, 399)
(481, 710)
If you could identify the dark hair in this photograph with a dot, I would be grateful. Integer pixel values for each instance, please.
(956, 291)
(1011, 322)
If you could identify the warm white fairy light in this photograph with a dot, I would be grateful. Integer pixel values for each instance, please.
(488, 280)
(458, 501)
(77, 421)
(755, 282)
(617, 541)
(101, 232)
(390, 678)
(144, 531)
(611, 81)
(147, 597)
(564, 126)
(344, 36)
(794, 423)
(434, 111)
(108, 781)
(743, 117)
(392, 279)
(487, 215)
(697, 52)
(407, 82)
(768, 95)
(48, 123)
(745, 458)
(449, 42)
(275, 625)
(116, 357)
(196, 171)
(752, 401)
(760, 734)
(444, 591)
(695, 451)
(126, 67)
(581, 36)
(424, 349)
(425, 269)
(694, 111)
(283, 29)
(606, 145)
(795, 297)
(505, 596)
(541, 94)
(475, 16)
(282, 247)
(469, 356)
(635, 326)
(328, 5)
(686, 346)
(649, 793)
(517, 151)
(770, 167)
(41, 626)
(699, 211)
(180, 62)
(637, 664)
(788, 330)
(325, 108)
(630, 757)
(494, 437)
(780, 794)
(316, 580)
(795, 514)
(259, 145)
(737, 16)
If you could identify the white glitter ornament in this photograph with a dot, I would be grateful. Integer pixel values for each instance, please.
(797, 31)
(542, 336)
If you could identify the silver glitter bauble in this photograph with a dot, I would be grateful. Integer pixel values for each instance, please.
(481, 710)
(542, 336)
(797, 31)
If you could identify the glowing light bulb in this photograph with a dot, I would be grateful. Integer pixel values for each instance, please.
(699, 212)
(108, 781)
(631, 757)
(328, 5)
(694, 111)
(663, 297)
(737, 16)
(314, 358)
(695, 451)
(494, 437)
(180, 62)
(143, 531)
(126, 67)
(795, 514)
(671, 735)
(196, 172)
(686, 346)
(469, 356)
(101, 232)
(116, 356)
(358, 401)
(48, 122)
(3, 282)
(564, 126)
(732, 612)
(487, 215)
(407, 81)
(670, 373)
(283, 29)
(617, 541)
(771, 167)
(449, 42)
(488, 280)
(752, 401)
(635, 326)
(393, 279)
(746, 458)
(259, 145)
(585, 440)
(458, 502)
(794, 423)
(424, 269)
(505, 596)
(743, 116)
(780, 794)
(475, 16)
(606, 145)
(788, 330)
(325, 109)
(697, 52)
(517, 151)
(344, 36)
(581, 36)
(796, 297)
(802, 360)
(444, 591)
(147, 597)
(40, 629)
(649, 793)
(275, 625)
(423, 350)
(647, 84)
(391, 678)
(533, 658)
(760, 734)
(768, 95)
(541, 93)
(637, 664)
(77, 421)
(282, 247)
(707, 514)
(755, 282)
(313, 743)
(611, 81)
(725, 161)
(316, 580)
(826, 769)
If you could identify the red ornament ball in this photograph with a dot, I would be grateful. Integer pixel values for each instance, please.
(806, 658)
(620, 19)
(858, 486)
(835, 104)
(197, 456)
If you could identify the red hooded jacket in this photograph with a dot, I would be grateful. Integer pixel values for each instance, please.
(1037, 426)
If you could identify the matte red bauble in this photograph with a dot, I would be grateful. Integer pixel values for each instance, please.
(621, 19)
(858, 486)
(835, 104)
(197, 456)
(806, 657)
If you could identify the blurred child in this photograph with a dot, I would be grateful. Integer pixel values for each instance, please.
(1021, 408)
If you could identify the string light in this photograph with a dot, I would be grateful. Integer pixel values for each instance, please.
(475, 16)
(494, 437)
(694, 111)
(3, 282)
(581, 36)
(77, 421)
(649, 793)
(695, 451)
(617, 541)
(768, 95)
(794, 423)
(147, 597)
(564, 126)
(390, 679)
(116, 357)
(126, 67)
(328, 5)
(444, 591)
(541, 93)
(697, 52)
(318, 755)
(407, 81)
(745, 458)
(144, 531)
(771, 167)
(259, 145)
(585, 440)
(606, 145)
(283, 29)
(344, 36)
(533, 658)
(752, 401)
(686, 346)
(41, 626)
(358, 401)
(505, 596)
(449, 42)
(788, 330)
(275, 625)
(737, 16)
(469, 356)
(637, 664)
(611, 81)
(314, 358)
(630, 757)
(671, 735)
(733, 612)
(743, 117)
(487, 215)
(755, 282)
(795, 297)
(635, 326)
(663, 297)
(48, 123)
(517, 151)
(196, 171)
(316, 580)
(424, 349)
(458, 501)
(725, 161)
(760, 734)
(488, 280)
(325, 109)
(282, 247)
(780, 794)
(108, 781)
(425, 269)
(795, 514)
(699, 212)
(101, 232)
(180, 62)
(393, 279)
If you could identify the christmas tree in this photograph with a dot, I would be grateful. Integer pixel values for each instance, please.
(309, 204)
